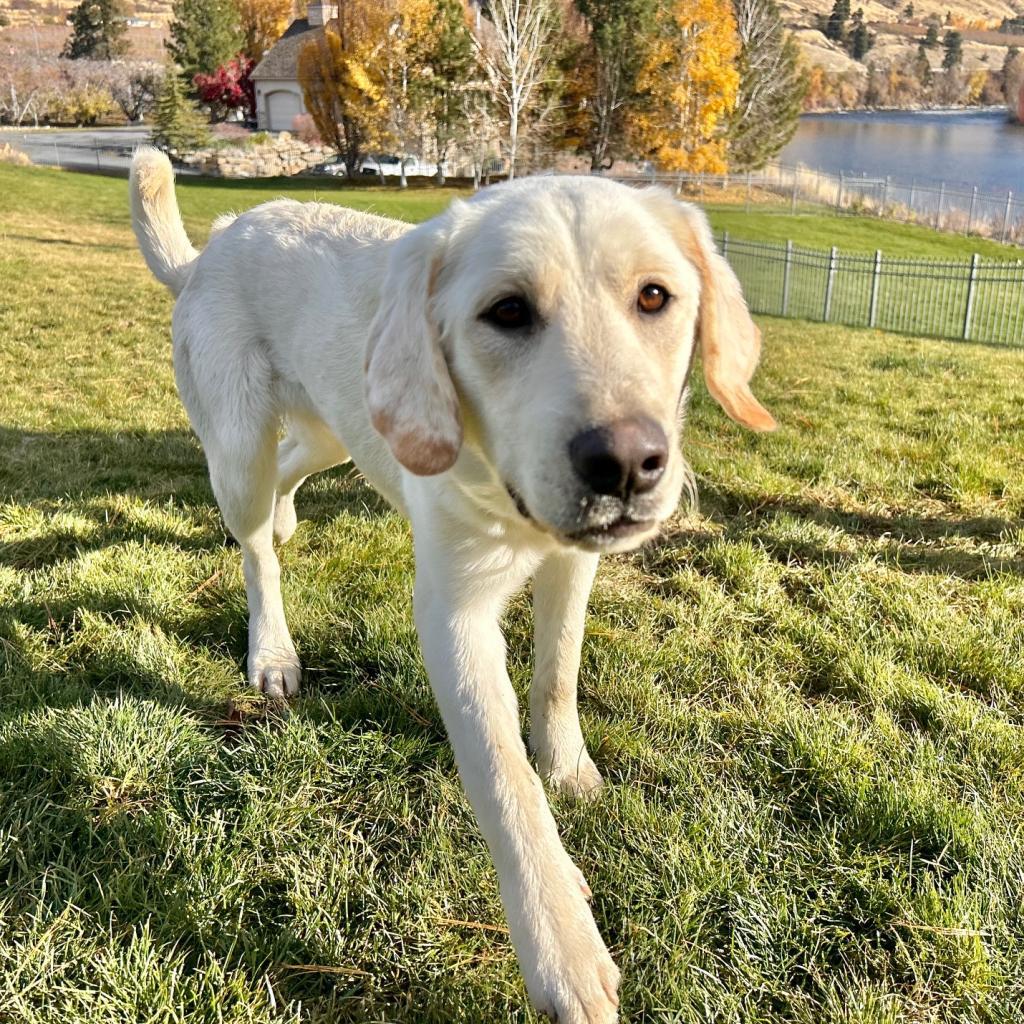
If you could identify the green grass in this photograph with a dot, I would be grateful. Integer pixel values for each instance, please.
(808, 699)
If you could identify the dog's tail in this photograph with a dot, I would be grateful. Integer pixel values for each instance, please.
(156, 219)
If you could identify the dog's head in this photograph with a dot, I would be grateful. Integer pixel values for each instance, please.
(554, 322)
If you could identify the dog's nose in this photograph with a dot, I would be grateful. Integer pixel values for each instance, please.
(622, 458)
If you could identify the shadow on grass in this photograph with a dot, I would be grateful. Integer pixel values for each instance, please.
(97, 467)
(906, 542)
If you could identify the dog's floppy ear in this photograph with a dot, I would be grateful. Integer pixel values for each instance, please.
(730, 343)
(409, 392)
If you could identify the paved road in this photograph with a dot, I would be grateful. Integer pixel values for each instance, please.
(81, 149)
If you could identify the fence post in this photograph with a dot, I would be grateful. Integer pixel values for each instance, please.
(792, 207)
(748, 192)
(785, 277)
(829, 281)
(56, 153)
(970, 215)
(876, 274)
(1006, 215)
(913, 189)
(885, 194)
(938, 210)
(725, 245)
(969, 307)
(839, 193)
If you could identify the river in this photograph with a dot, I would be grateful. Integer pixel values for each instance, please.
(963, 147)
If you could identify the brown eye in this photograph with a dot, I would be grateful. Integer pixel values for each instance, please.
(510, 313)
(652, 299)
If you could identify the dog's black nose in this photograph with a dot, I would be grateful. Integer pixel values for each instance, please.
(622, 458)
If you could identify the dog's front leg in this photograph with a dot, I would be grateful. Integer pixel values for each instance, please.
(568, 971)
(561, 587)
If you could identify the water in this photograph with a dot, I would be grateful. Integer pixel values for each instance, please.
(959, 147)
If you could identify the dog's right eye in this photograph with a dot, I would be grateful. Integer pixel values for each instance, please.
(510, 313)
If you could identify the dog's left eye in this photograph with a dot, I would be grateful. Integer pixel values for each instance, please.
(652, 298)
(510, 313)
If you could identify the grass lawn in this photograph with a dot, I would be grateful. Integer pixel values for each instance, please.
(808, 698)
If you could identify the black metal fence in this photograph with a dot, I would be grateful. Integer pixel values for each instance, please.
(976, 299)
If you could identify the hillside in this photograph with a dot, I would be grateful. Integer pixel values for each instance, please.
(54, 12)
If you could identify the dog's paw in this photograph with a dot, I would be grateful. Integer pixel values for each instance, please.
(285, 519)
(276, 676)
(570, 771)
(579, 985)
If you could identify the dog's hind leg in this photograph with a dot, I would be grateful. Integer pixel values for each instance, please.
(561, 587)
(308, 447)
(232, 408)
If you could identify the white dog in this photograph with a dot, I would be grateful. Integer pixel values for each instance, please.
(512, 376)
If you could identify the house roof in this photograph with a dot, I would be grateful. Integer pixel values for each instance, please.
(281, 61)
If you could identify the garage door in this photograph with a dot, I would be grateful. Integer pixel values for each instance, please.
(281, 110)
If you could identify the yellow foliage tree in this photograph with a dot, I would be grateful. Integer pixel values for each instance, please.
(690, 80)
(262, 22)
(342, 83)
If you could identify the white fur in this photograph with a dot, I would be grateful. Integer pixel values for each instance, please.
(276, 321)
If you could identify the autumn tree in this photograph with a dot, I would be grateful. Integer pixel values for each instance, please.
(690, 83)
(135, 85)
(341, 82)
(1013, 80)
(261, 23)
(772, 85)
(204, 35)
(516, 50)
(98, 29)
(228, 88)
(603, 94)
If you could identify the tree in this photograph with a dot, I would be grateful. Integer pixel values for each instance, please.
(178, 126)
(860, 39)
(1013, 81)
(135, 86)
(690, 81)
(230, 87)
(953, 44)
(908, 12)
(261, 24)
(341, 82)
(923, 69)
(516, 53)
(931, 36)
(835, 26)
(204, 35)
(603, 93)
(772, 85)
(98, 30)
(449, 65)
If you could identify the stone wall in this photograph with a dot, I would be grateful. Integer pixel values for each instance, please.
(280, 156)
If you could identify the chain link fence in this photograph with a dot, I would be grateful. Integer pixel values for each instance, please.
(976, 299)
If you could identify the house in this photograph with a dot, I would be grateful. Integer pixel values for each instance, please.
(278, 92)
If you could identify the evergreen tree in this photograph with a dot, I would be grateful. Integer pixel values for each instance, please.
(835, 27)
(451, 62)
(603, 88)
(931, 36)
(204, 35)
(860, 40)
(953, 43)
(908, 12)
(923, 68)
(772, 85)
(98, 30)
(177, 124)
